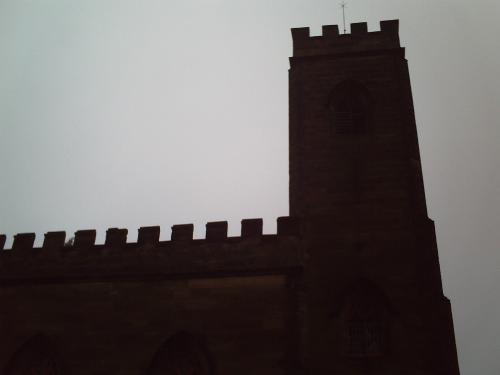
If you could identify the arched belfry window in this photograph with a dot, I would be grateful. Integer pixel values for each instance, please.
(182, 354)
(349, 107)
(35, 357)
(364, 322)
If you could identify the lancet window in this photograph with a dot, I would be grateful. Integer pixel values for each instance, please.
(364, 322)
(35, 357)
(182, 354)
(350, 108)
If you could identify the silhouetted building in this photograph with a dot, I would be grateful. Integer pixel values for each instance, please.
(350, 284)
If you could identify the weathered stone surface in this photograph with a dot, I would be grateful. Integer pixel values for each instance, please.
(84, 238)
(116, 237)
(148, 235)
(23, 241)
(182, 232)
(216, 230)
(349, 284)
(251, 227)
(356, 185)
(54, 240)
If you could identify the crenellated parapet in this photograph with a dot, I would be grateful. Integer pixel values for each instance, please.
(331, 42)
(182, 255)
(287, 226)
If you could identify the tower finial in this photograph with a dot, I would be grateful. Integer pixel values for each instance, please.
(343, 4)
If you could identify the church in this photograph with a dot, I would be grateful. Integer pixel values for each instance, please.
(349, 284)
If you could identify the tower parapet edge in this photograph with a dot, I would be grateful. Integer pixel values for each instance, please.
(150, 236)
(216, 255)
(359, 40)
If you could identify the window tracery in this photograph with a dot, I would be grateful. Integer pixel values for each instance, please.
(364, 323)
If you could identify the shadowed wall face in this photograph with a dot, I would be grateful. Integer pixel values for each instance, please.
(119, 327)
(97, 93)
(374, 296)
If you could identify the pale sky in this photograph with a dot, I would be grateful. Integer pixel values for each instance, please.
(120, 113)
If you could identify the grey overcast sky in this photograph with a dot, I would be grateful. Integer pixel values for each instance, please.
(116, 112)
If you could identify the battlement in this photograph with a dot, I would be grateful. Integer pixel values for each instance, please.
(115, 237)
(331, 42)
(56, 259)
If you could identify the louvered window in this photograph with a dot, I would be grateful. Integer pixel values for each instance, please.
(349, 107)
(349, 116)
(365, 335)
(364, 322)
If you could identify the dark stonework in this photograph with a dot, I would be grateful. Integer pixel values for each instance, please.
(251, 227)
(23, 241)
(116, 237)
(36, 356)
(85, 238)
(183, 353)
(182, 232)
(350, 284)
(288, 226)
(356, 183)
(54, 240)
(216, 230)
(148, 235)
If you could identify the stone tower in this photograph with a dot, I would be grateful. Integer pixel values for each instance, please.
(373, 299)
(349, 284)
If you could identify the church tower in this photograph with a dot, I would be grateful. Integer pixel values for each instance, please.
(350, 283)
(372, 289)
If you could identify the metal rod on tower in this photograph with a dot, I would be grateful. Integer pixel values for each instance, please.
(343, 4)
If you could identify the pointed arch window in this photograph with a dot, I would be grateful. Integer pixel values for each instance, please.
(182, 354)
(350, 108)
(365, 322)
(35, 357)
(365, 331)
